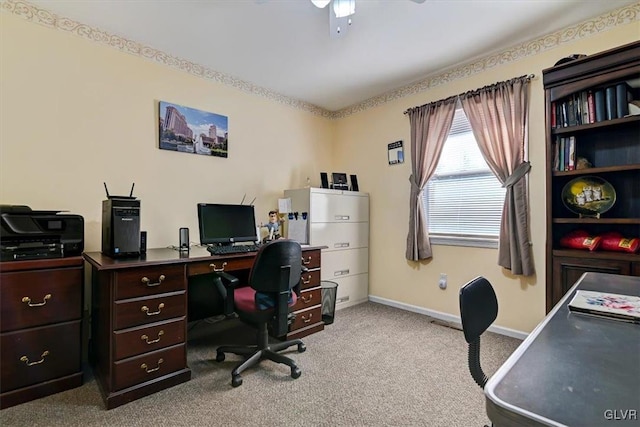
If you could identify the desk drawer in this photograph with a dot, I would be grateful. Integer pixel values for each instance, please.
(47, 352)
(139, 282)
(149, 366)
(310, 279)
(40, 297)
(308, 298)
(229, 264)
(306, 318)
(141, 311)
(311, 259)
(130, 342)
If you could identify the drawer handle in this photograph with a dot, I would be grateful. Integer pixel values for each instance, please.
(147, 282)
(146, 338)
(307, 320)
(214, 268)
(152, 313)
(147, 370)
(27, 301)
(306, 300)
(306, 282)
(307, 261)
(341, 245)
(25, 359)
(342, 217)
(341, 272)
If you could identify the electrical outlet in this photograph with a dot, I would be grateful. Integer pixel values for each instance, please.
(443, 281)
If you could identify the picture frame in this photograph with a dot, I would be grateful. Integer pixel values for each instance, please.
(189, 130)
(395, 152)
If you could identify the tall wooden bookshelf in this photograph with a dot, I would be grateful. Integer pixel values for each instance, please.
(611, 144)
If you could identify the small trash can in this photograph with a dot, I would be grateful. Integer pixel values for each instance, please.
(329, 295)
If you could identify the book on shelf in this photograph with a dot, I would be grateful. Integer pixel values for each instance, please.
(623, 97)
(599, 104)
(571, 160)
(591, 107)
(604, 304)
(610, 103)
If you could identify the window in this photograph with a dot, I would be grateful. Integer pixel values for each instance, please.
(463, 200)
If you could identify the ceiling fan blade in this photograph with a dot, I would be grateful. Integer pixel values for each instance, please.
(418, 1)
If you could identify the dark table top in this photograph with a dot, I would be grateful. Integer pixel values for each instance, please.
(573, 369)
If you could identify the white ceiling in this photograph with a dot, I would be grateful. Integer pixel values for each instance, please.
(285, 45)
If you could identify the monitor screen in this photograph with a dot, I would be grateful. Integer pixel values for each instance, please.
(226, 224)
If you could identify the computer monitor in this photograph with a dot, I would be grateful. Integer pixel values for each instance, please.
(226, 224)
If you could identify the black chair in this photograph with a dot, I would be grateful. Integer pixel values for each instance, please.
(478, 310)
(265, 304)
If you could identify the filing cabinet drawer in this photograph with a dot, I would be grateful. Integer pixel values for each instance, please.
(138, 282)
(133, 341)
(310, 279)
(340, 236)
(306, 318)
(336, 207)
(311, 259)
(345, 263)
(308, 298)
(149, 366)
(40, 297)
(40, 354)
(141, 311)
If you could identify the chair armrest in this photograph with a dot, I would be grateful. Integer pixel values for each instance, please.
(226, 284)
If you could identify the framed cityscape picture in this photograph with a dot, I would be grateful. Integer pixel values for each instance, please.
(189, 130)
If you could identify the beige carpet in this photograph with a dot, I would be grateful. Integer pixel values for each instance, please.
(375, 366)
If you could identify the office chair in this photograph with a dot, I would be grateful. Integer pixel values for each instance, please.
(478, 310)
(265, 304)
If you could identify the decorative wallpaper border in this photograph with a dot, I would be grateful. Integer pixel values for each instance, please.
(607, 21)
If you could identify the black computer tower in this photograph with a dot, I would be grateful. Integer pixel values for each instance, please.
(121, 227)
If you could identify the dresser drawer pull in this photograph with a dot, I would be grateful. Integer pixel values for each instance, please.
(341, 272)
(27, 301)
(152, 313)
(147, 282)
(307, 261)
(25, 359)
(341, 245)
(307, 319)
(342, 217)
(146, 338)
(306, 282)
(215, 268)
(147, 370)
(306, 300)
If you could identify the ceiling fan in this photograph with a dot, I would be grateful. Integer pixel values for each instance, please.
(341, 14)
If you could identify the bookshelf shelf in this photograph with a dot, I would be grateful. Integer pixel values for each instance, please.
(610, 142)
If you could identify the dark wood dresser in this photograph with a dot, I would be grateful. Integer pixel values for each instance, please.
(41, 328)
(140, 312)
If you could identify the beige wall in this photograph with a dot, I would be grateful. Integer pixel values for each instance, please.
(362, 149)
(76, 113)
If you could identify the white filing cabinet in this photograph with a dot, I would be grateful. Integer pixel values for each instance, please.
(339, 220)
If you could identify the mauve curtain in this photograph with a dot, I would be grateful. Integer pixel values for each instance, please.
(499, 118)
(430, 126)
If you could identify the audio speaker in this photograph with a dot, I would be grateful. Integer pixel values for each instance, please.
(354, 183)
(324, 179)
(143, 242)
(184, 239)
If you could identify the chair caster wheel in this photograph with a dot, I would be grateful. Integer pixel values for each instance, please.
(219, 357)
(236, 381)
(302, 348)
(295, 373)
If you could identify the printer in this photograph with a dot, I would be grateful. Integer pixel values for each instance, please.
(28, 234)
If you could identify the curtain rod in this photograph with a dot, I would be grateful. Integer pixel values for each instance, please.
(527, 76)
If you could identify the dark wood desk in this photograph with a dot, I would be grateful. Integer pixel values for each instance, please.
(573, 369)
(139, 314)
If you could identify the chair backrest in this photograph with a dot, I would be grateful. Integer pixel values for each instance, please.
(478, 310)
(268, 266)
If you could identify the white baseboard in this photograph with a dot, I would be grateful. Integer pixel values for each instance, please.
(445, 317)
